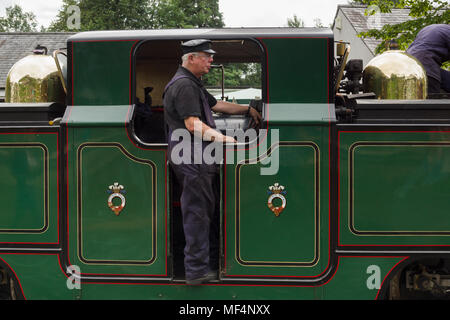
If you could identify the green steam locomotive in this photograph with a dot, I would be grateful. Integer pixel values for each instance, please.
(354, 202)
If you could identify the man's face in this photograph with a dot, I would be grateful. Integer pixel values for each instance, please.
(202, 62)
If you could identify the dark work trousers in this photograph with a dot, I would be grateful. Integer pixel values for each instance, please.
(434, 86)
(200, 207)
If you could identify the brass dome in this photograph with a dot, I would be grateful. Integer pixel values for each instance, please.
(34, 78)
(395, 75)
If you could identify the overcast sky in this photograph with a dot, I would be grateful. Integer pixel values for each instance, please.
(236, 13)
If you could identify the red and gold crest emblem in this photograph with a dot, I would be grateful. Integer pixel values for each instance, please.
(276, 191)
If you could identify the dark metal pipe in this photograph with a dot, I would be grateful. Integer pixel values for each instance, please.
(223, 78)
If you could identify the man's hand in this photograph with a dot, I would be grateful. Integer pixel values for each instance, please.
(206, 133)
(213, 135)
(233, 108)
(255, 116)
(228, 139)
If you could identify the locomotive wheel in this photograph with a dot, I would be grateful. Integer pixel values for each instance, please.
(7, 286)
(417, 281)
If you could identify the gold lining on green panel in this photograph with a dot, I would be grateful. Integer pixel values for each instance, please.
(316, 257)
(153, 166)
(351, 176)
(45, 225)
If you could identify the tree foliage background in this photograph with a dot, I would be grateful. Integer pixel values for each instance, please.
(140, 14)
(156, 14)
(422, 12)
(186, 14)
(16, 20)
(105, 15)
(295, 22)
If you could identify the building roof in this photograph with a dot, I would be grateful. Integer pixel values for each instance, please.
(361, 23)
(17, 45)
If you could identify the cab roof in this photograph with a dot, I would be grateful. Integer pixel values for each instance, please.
(223, 33)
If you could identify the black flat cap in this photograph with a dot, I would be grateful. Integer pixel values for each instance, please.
(197, 45)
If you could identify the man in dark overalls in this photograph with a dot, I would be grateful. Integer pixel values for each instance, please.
(187, 106)
(432, 48)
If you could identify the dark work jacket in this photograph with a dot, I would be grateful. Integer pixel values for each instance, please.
(432, 48)
(183, 98)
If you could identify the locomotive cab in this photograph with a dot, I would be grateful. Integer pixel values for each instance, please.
(156, 61)
(116, 114)
(336, 183)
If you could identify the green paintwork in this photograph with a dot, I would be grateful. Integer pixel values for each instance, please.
(295, 247)
(355, 279)
(102, 237)
(100, 155)
(88, 116)
(350, 281)
(258, 242)
(296, 113)
(416, 187)
(298, 78)
(27, 216)
(106, 80)
(263, 237)
(40, 279)
(21, 179)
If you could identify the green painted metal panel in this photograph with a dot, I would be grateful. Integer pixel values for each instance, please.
(23, 173)
(233, 293)
(359, 278)
(394, 188)
(300, 78)
(40, 276)
(100, 154)
(294, 243)
(107, 79)
(403, 191)
(29, 192)
(101, 72)
(99, 116)
(135, 241)
(265, 238)
(299, 113)
(106, 236)
(355, 278)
